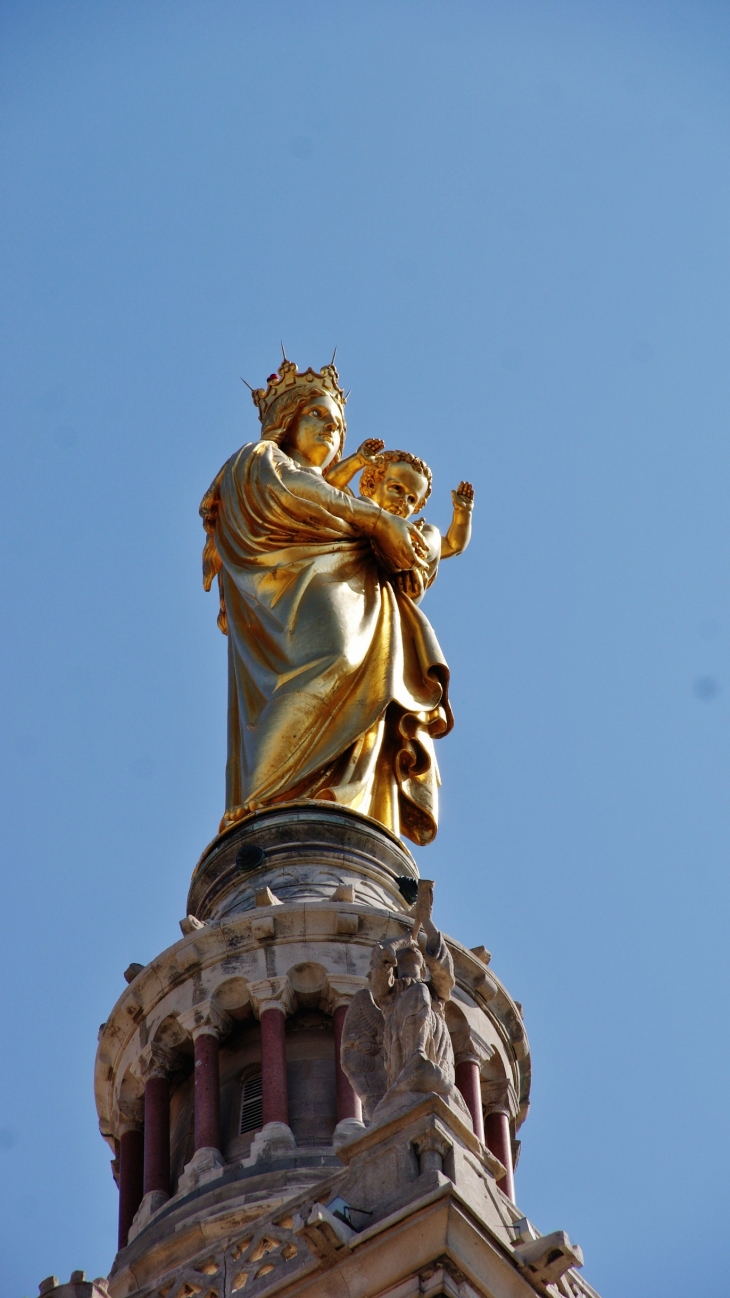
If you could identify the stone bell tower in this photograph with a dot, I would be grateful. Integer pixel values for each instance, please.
(240, 1153)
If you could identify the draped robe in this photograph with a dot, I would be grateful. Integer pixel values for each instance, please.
(337, 684)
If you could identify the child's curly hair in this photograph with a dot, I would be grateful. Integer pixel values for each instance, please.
(374, 473)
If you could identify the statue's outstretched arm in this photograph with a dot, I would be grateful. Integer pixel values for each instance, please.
(459, 534)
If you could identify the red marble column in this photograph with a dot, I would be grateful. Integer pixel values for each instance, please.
(348, 1103)
(207, 1091)
(499, 1141)
(273, 1066)
(131, 1156)
(469, 1083)
(157, 1134)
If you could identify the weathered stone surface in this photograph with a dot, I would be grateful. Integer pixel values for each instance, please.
(309, 851)
(77, 1287)
(242, 1214)
(410, 1228)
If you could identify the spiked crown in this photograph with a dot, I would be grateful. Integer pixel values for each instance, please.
(289, 380)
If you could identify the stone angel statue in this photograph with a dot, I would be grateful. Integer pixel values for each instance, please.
(337, 686)
(396, 1046)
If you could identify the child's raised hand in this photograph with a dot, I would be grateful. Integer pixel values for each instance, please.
(463, 497)
(368, 449)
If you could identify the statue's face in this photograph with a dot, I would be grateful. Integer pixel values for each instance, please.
(401, 490)
(410, 963)
(316, 439)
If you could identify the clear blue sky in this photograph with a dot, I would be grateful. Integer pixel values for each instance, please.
(512, 218)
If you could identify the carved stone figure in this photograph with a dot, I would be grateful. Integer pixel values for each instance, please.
(395, 1043)
(337, 684)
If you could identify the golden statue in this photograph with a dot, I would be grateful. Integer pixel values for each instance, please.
(337, 685)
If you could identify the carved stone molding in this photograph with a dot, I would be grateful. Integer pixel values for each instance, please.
(432, 1147)
(156, 1061)
(500, 1097)
(340, 990)
(131, 1116)
(206, 1019)
(272, 993)
(471, 1048)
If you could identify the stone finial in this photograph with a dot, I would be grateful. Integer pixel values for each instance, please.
(272, 993)
(50, 1282)
(131, 971)
(206, 1018)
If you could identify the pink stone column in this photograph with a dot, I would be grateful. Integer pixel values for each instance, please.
(273, 1066)
(498, 1139)
(157, 1133)
(469, 1083)
(207, 1089)
(348, 1103)
(131, 1156)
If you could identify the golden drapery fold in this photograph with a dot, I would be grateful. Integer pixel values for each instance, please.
(337, 684)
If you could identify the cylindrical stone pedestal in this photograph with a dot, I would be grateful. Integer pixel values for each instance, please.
(498, 1139)
(157, 1134)
(273, 1066)
(131, 1158)
(348, 1103)
(468, 1082)
(302, 853)
(207, 1092)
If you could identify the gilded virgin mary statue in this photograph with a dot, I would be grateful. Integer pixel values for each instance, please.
(337, 686)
